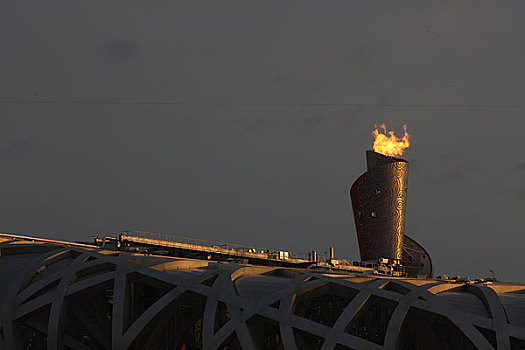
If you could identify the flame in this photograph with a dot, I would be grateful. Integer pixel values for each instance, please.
(390, 145)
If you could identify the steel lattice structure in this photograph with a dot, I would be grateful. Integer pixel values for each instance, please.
(72, 297)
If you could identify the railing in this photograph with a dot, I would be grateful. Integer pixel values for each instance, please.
(209, 243)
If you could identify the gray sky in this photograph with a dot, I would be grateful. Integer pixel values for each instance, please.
(247, 121)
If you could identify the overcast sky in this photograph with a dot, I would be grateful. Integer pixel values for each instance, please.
(247, 121)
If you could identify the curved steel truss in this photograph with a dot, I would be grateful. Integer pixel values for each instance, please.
(59, 297)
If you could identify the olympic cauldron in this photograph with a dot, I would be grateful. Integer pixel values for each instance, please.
(379, 203)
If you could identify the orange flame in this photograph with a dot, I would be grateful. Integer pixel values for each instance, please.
(390, 145)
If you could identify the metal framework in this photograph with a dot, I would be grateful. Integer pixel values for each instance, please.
(56, 296)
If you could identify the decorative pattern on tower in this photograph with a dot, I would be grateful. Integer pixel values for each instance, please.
(379, 202)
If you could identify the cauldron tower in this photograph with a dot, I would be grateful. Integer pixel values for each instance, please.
(379, 204)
